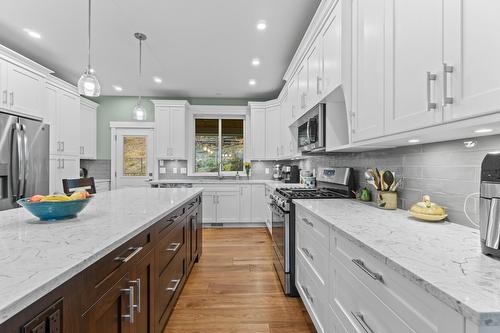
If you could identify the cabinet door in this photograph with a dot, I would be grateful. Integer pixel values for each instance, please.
(245, 203)
(144, 283)
(209, 207)
(228, 207)
(285, 134)
(55, 180)
(88, 132)
(314, 75)
(68, 115)
(258, 132)
(302, 88)
(368, 69)
(471, 46)
(70, 168)
(293, 97)
(272, 132)
(25, 91)
(414, 45)
(110, 313)
(4, 101)
(331, 49)
(259, 203)
(50, 112)
(162, 131)
(178, 132)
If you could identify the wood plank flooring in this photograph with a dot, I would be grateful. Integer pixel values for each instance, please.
(234, 289)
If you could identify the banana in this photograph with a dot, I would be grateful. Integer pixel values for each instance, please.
(55, 198)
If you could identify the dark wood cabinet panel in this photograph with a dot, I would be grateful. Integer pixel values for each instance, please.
(171, 244)
(145, 283)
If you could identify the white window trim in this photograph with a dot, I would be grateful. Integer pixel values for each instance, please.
(216, 112)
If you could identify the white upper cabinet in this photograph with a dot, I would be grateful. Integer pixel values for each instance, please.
(285, 133)
(314, 74)
(170, 131)
(293, 98)
(368, 75)
(88, 129)
(414, 45)
(330, 43)
(24, 91)
(472, 50)
(302, 82)
(258, 131)
(273, 135)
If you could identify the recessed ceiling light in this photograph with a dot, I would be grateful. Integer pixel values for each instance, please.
(32, 33)
(483, 130)
(117, 88)
(256, 61)
(261, 25)
(413, 141)
(252, 82)
(157, 79)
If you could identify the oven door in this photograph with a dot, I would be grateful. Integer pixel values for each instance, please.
(281, 236)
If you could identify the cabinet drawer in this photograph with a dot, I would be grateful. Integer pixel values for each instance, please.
(192, 204)
(171, 244)
(318, 229)
(170, 284)
(314, 253)
(415, 306)
(168, 221)
(101, 276)
(355, 304)
(312, 292)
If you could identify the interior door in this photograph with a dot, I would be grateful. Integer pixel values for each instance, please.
(472, 48)
(134, 157)
(414, 56)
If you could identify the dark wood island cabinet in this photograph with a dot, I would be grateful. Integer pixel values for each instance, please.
(133, 289)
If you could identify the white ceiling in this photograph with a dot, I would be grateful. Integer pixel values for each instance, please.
(200, 48)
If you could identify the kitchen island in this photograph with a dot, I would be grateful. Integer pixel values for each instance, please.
(84, 260)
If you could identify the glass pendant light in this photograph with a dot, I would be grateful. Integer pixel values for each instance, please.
(88, 84)
(139, 112)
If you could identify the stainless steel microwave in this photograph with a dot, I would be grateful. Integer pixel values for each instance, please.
(311, 130)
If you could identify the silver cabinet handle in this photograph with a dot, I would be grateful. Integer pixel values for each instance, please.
(277, 151)
(308, 253)
(4, 94)
(174, 288)
(11, 98)
(309, 223)
(308, 294)
(173, 247)
(137, 282)
(362, 266)
(318, 85)
(134, 250)
(447, 71)
(62, 142)
(130, 315)
(63, 163)
(361, 321)
(430, 105)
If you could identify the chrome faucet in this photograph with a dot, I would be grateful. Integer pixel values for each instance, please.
(219, 171)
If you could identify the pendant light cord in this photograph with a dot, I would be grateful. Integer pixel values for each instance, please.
(90, 13)
(140, 70)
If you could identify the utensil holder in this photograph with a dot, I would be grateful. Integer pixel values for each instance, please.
(387, 200)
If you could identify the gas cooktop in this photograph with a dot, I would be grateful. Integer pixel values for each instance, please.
(315, 193)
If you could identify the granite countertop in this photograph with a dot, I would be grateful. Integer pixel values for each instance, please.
(444, 259)
(37, 257)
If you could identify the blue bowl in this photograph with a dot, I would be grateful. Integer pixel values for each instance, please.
(52, 211)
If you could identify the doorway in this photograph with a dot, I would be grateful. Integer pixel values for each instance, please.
(132, 154)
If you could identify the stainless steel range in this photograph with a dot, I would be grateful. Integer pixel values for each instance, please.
(333, 183)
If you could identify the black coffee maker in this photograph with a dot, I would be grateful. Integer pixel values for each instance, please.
(290, 174)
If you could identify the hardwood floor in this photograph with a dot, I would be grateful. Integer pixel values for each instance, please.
(234, 289)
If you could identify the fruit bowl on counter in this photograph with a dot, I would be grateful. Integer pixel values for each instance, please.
(56, 207)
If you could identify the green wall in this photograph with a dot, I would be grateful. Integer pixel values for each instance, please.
(119, 108)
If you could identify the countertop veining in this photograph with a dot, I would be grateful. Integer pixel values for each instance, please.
(37, 257)
(444, 259)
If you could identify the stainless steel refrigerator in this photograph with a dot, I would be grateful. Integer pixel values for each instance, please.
(24, 159)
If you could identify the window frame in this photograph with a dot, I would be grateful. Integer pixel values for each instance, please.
(192, 163)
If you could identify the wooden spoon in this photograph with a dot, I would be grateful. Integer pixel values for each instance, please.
(388, 178)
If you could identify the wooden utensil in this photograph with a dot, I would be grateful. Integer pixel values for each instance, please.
(388, 179)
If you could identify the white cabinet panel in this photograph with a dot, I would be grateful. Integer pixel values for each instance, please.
(414, 45)
(209, 207)
(285, 132)
(50, 105)
(314, 74)
(178, 132)
(331, 53)
(302, 83)
(88, 131)
(68, 122)
(368, 77)
(273, 132)
(245, 199)
(162, 132)
(258, 132)
(471, 46)
(62, 167)
(293, 97)
(24, 91)
(170, 129)
(228, 207)
(259, 203)
(4, 101)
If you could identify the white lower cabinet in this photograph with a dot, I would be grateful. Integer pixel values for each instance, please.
(209, 207)
(62, 167)
(345, 289)
(259, 203)
(245, 202)
(228, 203)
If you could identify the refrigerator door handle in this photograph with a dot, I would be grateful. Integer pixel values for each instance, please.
(16, 174)
(25, 161)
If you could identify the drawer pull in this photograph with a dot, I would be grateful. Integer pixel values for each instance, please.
(309, 223)
(361, 264)
(308, 253)
(361, 321)
(174, 288)
(308, 295)
(173, 247)
(130, 315)
(137, 282)
(134, 250)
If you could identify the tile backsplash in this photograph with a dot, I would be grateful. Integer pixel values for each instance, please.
(99, 169)
(447, 171)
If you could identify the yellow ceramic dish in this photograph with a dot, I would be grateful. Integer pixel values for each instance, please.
(429, 217)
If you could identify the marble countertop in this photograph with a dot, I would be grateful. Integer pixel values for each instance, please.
(444, 259)
(270, 183)
(37, 257)
(102, 180)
